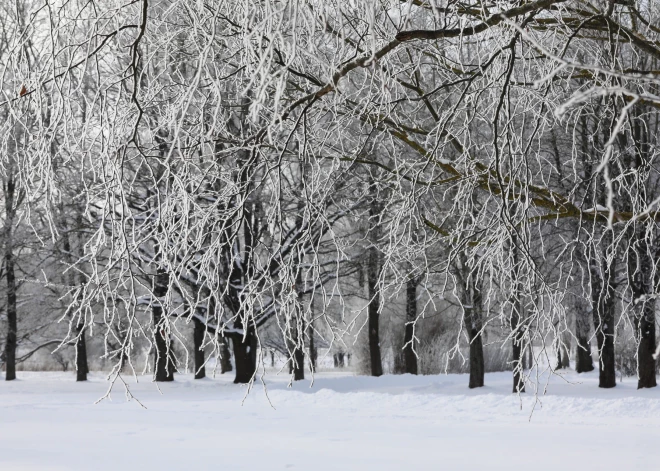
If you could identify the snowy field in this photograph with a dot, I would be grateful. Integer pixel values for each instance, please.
(50, 423)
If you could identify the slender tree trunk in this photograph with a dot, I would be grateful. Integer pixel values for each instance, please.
(646, 364)
(313, 354)
(565, 358)
(245, 356)
(516, 329)
(516, 347)
(12, 310)
(410, 358)
(199, 330)
(373, 326)
(225, 357)
(297, 329)
(583, 361)
(373, 312)
(82, 367)
(641, 281)
(603, 315)
(163, 364)
(477, 369)
(473, 324)
(298, 364)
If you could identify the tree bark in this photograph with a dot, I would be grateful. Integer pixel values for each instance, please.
(583, 361)
(298, 364)
(641, 281)
(373, 312)
(646, 364)
(199, 330)
(297, 332)
(602, 289)
(163, 363)
(82, 367)
(313, 353)
(410, 358)
(245, 356)
(12, 310)
(225, 357)
(516, 347)
(473, 324)
(516, 329)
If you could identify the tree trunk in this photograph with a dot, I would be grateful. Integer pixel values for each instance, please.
(646, 364)
(245, 356)
(225, 357)
(297, 332)
(82, 368)
(374, 338)
(603, 316)
(516, 346)
(473, 324)
(373, 311)
(641, 280)
(517, 338)
(12, 310)
(476, 361)
(565, 358)
(163, 363)
(410, 358)
(298, 364)
(583, 361)
(199, 330)
(313, 353)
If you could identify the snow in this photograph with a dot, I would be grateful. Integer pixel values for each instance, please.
(48, 422)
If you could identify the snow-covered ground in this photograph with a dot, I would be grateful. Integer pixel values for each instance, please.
(48, 422)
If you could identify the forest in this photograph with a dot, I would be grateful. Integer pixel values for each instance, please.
(274, 187)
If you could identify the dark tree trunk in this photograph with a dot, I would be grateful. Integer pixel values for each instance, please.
(646, 364)
(375, 361)
(375, 298)
(409, 356)
(199, 330)
(245, 356)
(603, 316)
(373, 311)
(313, 353)
(516, 347)
(225, 357)
(82, 368)
(338, 359)
(641, 266)
(297, 332)
(527, 357)
(641, 280)
(476, 360)
(163, 364)
(298, 364)
(12, 321)
(565, 359)
(583, 361)
(516, 327)
(12, 310)
(473, 324)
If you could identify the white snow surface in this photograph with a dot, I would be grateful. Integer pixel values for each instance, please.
(48, 422)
